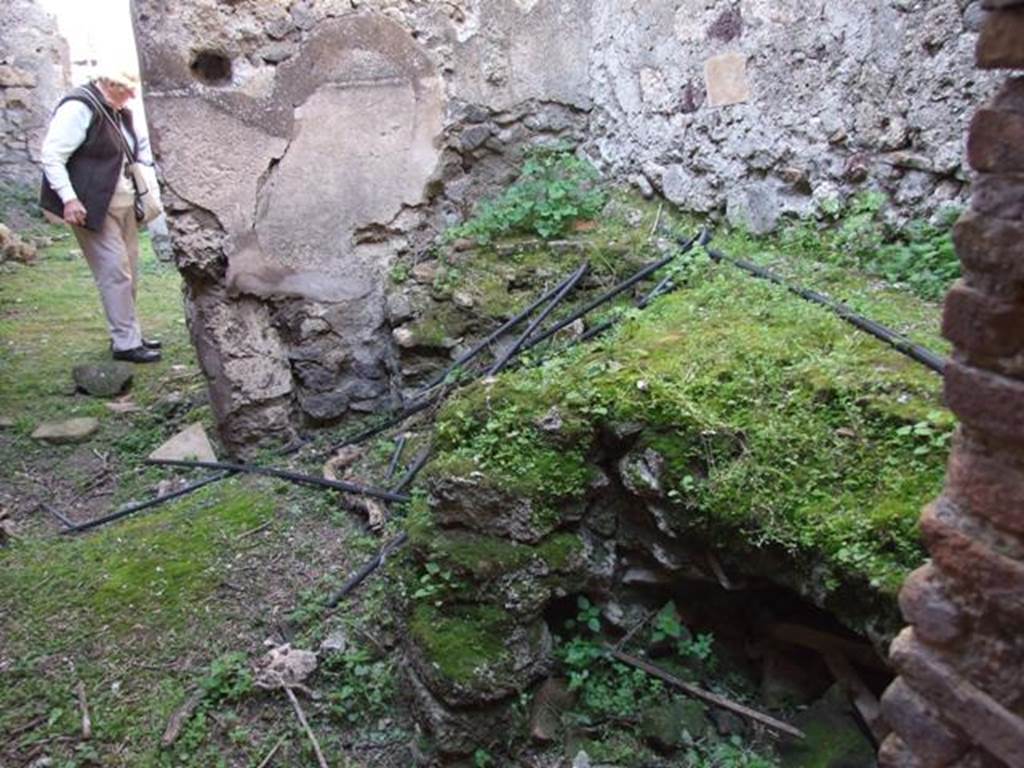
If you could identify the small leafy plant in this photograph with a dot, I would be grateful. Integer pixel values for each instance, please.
(667, 627)
(228, 680)
(362, 685)
(554, 189)
(919, 255)
(434, 583)
(589, 616)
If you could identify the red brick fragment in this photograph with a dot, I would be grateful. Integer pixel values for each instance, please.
(995, 141)
(989, 723)
(988, 484)
(986, 401)
(1010, 97)
(1000, 195)
(990, 245)
(982, 324)
(919, 726)
(992, 577)
(1001, 43)
(928, 608)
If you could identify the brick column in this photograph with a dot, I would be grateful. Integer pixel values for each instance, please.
(959, 699)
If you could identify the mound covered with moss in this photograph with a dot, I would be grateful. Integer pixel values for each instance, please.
(728, 418)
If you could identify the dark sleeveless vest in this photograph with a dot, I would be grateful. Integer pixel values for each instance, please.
(95, 166)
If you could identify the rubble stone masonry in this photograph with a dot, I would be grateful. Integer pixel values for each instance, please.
(306, 147)
(959, 699)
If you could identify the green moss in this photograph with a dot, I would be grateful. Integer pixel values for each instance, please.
(481, 555)
(462, 640)
(499, 436)
(158, 561)
(442, 321)
(559, 550)
(489, 556)
(125, 602)
(51, 319)
(781, 426)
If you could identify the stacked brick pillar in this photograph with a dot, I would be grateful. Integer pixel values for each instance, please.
(959, 699)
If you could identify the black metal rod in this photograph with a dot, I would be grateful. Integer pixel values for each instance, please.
(396, 456)
(564, 291)
(413, 470)
(665, 284)
(359, 576)
(416, 407)
(131, 509)
(607, 296)
(480, 346)
(283, 474)
(897, 341)
(398, 417)
(69, 523)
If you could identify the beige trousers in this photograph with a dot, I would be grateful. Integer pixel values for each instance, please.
(113, 257)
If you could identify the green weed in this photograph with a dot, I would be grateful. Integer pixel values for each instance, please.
(918, 256)
(362, 685)
(555, 188)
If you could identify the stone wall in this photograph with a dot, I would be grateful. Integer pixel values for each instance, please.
(34, 73)
(959, 700)
(307, 145)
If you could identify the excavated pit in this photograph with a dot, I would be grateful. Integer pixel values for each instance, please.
(496, 633)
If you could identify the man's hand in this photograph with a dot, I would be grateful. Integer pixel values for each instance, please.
(74, 212)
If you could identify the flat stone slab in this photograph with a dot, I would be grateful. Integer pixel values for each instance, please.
(191, 444)
(103, 379)
(71, 431)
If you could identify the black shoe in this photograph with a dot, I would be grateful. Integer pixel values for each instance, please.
(137, 355)
(152, 343)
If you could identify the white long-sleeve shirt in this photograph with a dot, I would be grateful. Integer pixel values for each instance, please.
(66, 132)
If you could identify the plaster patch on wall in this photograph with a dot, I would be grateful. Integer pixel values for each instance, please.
(210, 158)
(726, 79)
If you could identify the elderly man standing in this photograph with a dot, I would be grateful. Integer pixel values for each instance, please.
(85, 155)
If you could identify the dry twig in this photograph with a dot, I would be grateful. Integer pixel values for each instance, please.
(83, 706)
(273, 751)
(700, 693)
(636, 628)
(180, 717)
(305, 724)
(253, 531)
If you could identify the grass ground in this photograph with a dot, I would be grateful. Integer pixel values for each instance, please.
(143, 611)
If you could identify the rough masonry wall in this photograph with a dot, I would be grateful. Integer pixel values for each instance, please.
(34, 73)
(959, 700)
(769, 107)
(307, 145)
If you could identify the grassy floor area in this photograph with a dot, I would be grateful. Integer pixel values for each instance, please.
(143, 611)
(830, 442)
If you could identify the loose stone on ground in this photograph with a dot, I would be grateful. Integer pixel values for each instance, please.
(103, 379)
(70, 431)
(191, 444)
